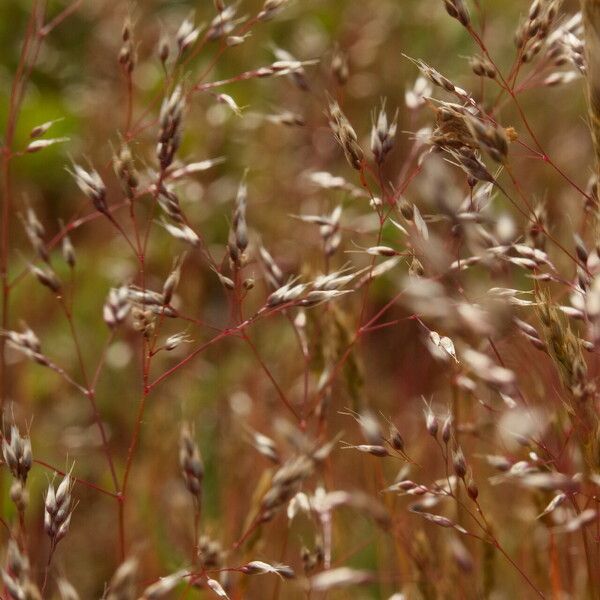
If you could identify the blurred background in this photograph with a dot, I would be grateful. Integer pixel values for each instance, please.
(77, 79)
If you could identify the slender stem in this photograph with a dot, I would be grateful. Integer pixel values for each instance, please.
(266, 369)
(17, 88)
(516, 566)
(91, 394)
(47, 567)
(67, 12)
(129, 112)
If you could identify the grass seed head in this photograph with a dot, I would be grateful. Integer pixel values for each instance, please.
(58, 510)
(345, 135)
(457, 9)
(122, 585)
(91, 184)
(339, 66)
(171, 115)
(164, 586)
(190, 463)
(17, 454)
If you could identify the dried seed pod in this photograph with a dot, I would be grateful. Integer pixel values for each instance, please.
(342, 577)
(287, 118)
(47, 277)
(270, 9)
(415, 97)
(581, 250)
(238, 235)
(431, 422)
(316, 297)
(125, 57)
(491, 138)
(35, 231)
(327, 181)
(161, 588)
(172, 280)
(58, 510)
(182, 232)
(228, 101)
(171, 114)
(17, 454)
(530, 333)
(16, 577)
(186, 35)
(90, 183)
(68, 251)
(217, 588)
(440, 520)
(144, 321)
(258, 567)
(447, 429)
(174, 341)
(311, 559)
(123, 583)
(299, 75)
(164, 49)
(117, 306)
(482, 67)
(190, 463)
(40, 130)
(272, 271)
(369, 426)
(286, 293)
(416, 268)
(66, 590)
(169, 203)
(345, 135)
(396, 440)
(125, 170)
(265, 446)
(458, 10)
(443, 82)
(495, 376)
(286, 482)
(383, 134)
(585, 517)
(472, 488)
(553, 504)
(225, 281)
(459, 463)
(461, 555)
(381, 251)
(406, 208)
(335, 280)
(468, 160)
(19, 496)
(405, 485)
(38, 145)
(26, 342)
(127, 54)
(145, 297)
(210, 553)
(195, 167)
(17, 563)
(339, 66)
(373, 449)
(223, 24)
